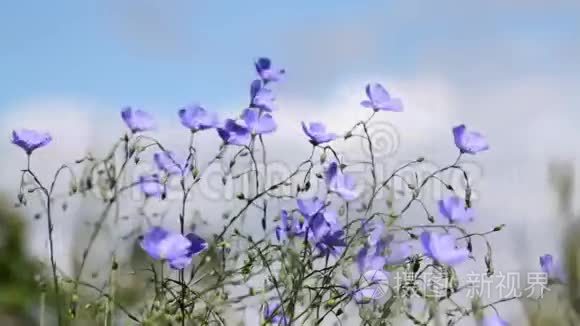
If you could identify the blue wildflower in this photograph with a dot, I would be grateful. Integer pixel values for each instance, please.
(29, 140)
(137, 120)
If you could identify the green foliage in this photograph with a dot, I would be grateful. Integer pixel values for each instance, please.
(561, 305)
(18, 287)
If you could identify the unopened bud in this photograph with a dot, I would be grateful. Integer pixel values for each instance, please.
(323, 157)
(498, 228)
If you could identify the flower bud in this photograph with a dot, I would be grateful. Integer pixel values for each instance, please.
(498, 228)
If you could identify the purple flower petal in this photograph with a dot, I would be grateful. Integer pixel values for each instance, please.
(310, 207)
(442, 248)
(274, 314)
(374, 287)
(137, 120)
(332, 219)
(331, 243)
(318, 227)
(261, 97)
(255, 87)
(167, 162)
(258, 123)
(367, 104)
(316, 131)
(469, 142)
(377, 93)
(284, 225)
(198, 244)
(399, 253)
(547, 263)
(454, 209)
(180, 262)
(552, 268)
(267, 72)
(289, 226)
(380, 100)
(280, 233)
(151, 240)
(234, 133)
(339, 183)
(174, 248)
(195, 117)
(376, 233)
(161, 244)
(151, 186)
(29, 140)
(369, 260)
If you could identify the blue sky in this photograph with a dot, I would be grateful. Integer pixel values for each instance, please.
(117, 52)
(162, 54)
